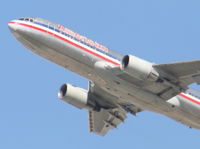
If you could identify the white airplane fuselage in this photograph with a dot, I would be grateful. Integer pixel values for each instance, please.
(88, 59)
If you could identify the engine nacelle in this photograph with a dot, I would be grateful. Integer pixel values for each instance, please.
(75, 96)
(139, 68)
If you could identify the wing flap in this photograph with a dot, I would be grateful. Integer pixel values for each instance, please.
(104, 120)
(112, 111)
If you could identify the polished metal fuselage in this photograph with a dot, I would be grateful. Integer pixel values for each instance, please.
(54, 46)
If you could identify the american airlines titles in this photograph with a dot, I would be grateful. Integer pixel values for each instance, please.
(83, 38)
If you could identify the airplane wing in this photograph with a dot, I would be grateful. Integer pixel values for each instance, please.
(186, 72)
(176, 76)
(104, 120)
(111, 114)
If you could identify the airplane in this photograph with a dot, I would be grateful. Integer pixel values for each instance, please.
(118, 84)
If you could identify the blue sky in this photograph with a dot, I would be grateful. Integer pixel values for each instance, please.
(31, 116)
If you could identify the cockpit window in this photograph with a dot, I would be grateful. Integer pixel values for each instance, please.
(27, 19)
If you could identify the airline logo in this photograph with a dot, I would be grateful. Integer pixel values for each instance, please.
(83, 38)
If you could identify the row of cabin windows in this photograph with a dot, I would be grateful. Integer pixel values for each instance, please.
(72, 37)
(194, 95)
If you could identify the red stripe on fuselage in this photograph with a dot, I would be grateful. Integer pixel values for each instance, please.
(66, 40)
(87, 50)
(188, 98)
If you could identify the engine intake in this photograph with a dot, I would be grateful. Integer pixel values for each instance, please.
(75, 96)
(139, 68)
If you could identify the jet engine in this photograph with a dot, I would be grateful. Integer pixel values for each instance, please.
(139, 68)
(75, 96)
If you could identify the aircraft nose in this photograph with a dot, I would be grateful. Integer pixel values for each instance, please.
(12, 26)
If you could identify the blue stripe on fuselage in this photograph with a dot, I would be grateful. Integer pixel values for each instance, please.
(69, 36)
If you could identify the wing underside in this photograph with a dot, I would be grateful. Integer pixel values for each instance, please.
(178, 76)
(186, 72)
(175, 78)
(111, 113)
(104, 120)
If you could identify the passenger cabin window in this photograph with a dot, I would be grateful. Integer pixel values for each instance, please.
(194, 95)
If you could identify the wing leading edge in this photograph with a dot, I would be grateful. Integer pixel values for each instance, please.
(186, 72)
